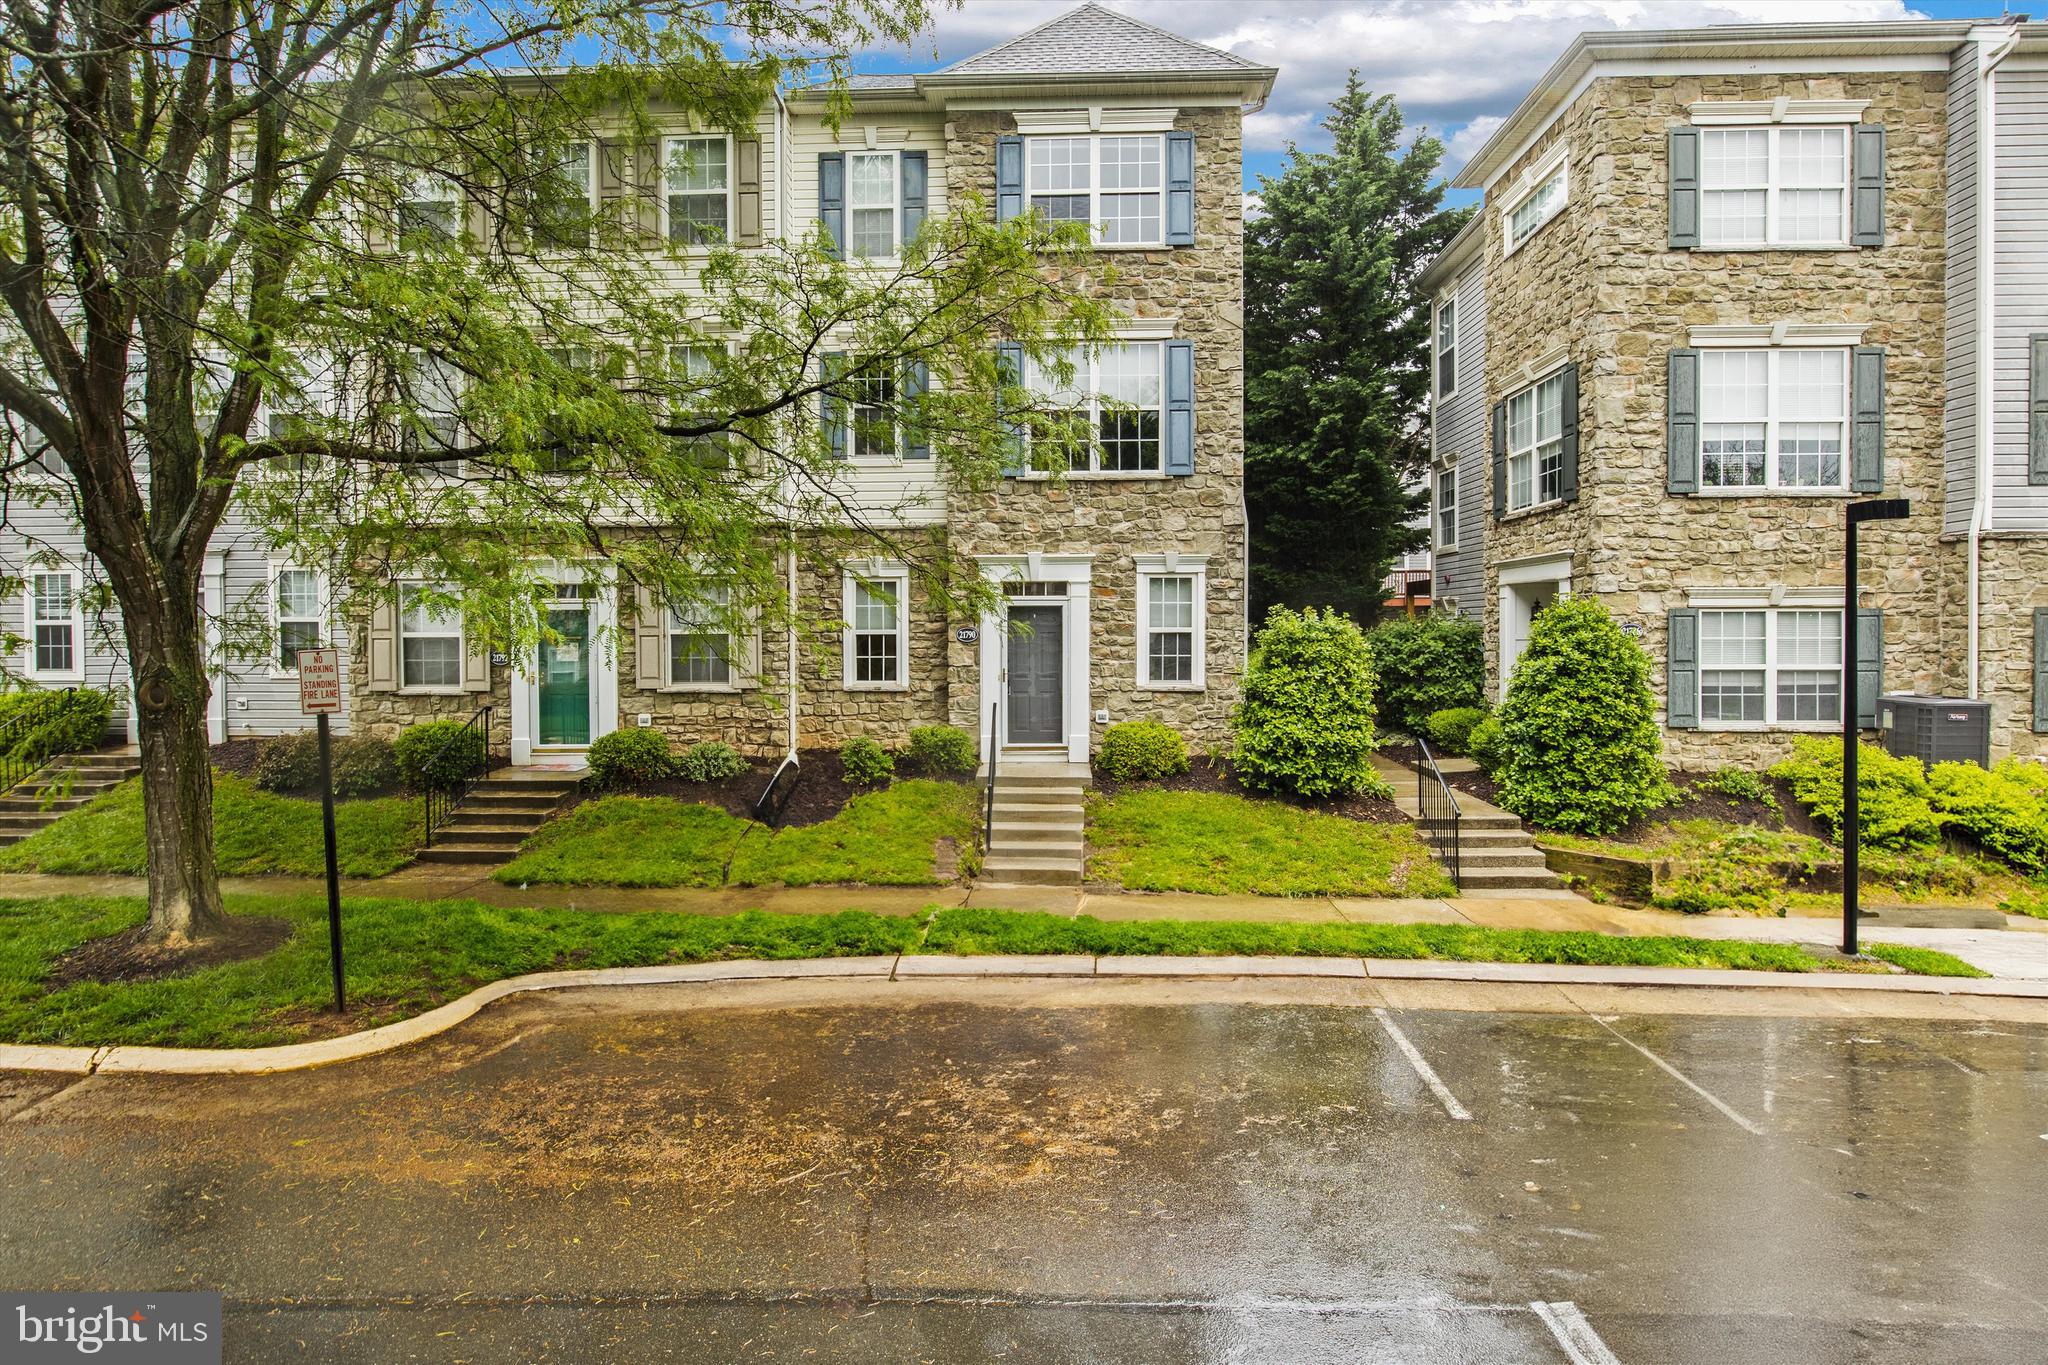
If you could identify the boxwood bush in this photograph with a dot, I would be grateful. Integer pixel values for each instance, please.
(1450, 730)
(436, 754)
(1304, 724)
(1426, 664)
(1487, 745)
(1141, 751)
(712, 760)
(1579, 725)
(941, 749)
(865, 763)
(290, 764)
(1894, 800)
(628, 758)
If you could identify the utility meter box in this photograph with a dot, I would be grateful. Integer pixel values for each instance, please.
(1936, 729)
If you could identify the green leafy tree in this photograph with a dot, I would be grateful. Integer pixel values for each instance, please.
(1336, 357)
(321, 257)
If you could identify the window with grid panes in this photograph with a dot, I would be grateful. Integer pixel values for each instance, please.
(1170, 604)
(1778, 186)
(1115, 182)
(1536, 444)
(1773, 418)
(53, 612)
(1781, 666)
(871, 189)
(297, 600)
(700, 643)
(697, 188)
(1111, 409)
(429, 641)
(877, 634)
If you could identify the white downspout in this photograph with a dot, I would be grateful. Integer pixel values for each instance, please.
(791, 671)
(1989, 55)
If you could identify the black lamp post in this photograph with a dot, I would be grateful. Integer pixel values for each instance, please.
(1873, 509)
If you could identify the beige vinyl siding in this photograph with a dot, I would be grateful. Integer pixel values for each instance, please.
(1959, 423)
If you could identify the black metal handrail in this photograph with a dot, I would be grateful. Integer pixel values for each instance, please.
(442, 801)
(1437, 812)
(17, 763)
(988, 824)
(774, 798)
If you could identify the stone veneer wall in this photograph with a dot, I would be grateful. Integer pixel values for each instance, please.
(1624, 299)
(1202, 289)
(2015, 586)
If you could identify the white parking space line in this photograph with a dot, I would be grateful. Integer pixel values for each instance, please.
(1422, 1067)
(1581, 1343)
(1684, 1080)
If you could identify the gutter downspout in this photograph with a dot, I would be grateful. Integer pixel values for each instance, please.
(1989, 55)
(791, 680)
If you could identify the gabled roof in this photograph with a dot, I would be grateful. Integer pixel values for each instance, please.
(1093, 41)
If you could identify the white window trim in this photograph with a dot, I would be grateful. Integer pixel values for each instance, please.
(398, 636)
(1751, 336)
(731, 201)
(1135, 335)
(1436, 508)
(743, 652)
(1784, 109)
(895, 155)
(1078, 122)
(1173, 564)
(327, 636)
(1436, 370)
(1771, 602)
(75, 673)
(1094, 137)
(1770, 487)
(895, 456)
(1535, 504)
(1772, 189)
(1555, 163)
(590, 182)
(895, 577)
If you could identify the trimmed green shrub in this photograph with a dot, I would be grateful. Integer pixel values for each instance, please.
(363, 765)
(1579, 725)
(60, 721)
(865, 763)
(941, 749)
(1450, 730)
(630, 758)
(2004, 809)
(1739, 784)
(1893, 796)
(711, 761)
(1487, 745)
(289, 763)
(1141, 751)
(1304, 724)
(1426, 664)
(436, 754)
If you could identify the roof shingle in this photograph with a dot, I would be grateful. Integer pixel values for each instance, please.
(1092, 40)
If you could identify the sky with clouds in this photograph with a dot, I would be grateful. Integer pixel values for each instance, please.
(1457, 66)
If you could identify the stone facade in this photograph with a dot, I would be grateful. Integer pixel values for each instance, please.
(1601, 281)
(2014, 578)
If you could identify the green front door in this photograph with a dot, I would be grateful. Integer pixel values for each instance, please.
(565, 679)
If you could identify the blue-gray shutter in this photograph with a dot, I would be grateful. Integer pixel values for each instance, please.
(1568, 435)
(1009, 178)
(1682, 421)
(1866, 439)
(1866, 207)
(1180, 407)
(2037, 408)
(1500, 460)
(1682, 669)
(1180, 189)
(832, 198)
(1010, 366)
(1684, 164)
(2041, 670)
(1869, 665)
(913, 171)
(917, 381)
(831, 412)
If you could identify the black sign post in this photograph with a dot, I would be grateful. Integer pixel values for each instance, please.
(320, 693)
(1873, 509)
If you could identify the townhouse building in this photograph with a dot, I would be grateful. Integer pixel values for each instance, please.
(1121, 584)
(1725, 281)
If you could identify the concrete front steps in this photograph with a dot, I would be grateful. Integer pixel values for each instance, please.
(1036, 838)
(1494, 852)
(497, 815)
(63, 784)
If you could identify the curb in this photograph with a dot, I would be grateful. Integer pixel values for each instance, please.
(176, 1061)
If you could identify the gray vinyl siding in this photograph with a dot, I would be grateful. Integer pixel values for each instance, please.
(2021, 288)
(1960, 303)
(1461, 430)
(258, 701)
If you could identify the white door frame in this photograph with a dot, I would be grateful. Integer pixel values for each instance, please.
(604, 666)
(1554, 568)
(991, 682)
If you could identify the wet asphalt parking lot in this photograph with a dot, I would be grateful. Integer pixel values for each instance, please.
(1093, 1171)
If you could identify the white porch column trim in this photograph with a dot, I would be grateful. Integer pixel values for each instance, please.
(214, 590)
(604, 665)
(1077, 572)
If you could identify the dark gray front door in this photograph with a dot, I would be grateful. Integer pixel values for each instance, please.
(1034, 699)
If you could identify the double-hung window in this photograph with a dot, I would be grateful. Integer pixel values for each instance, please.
(295, 601)
(876, 640)
(430, 401)
(871, 203)
(871, 414)
(1446, 349)
(1776, 186)
(1447, 508)
(56, 625)
(693, 371)
(567, 199)
(1773, 419)
(1771, 667)
(1116, 183)
(700, 642)
(1536, 445)
(1109, 415)
(697, 193)
(430, 209)
(1170, 606)
(429, 641)
(1543, 201)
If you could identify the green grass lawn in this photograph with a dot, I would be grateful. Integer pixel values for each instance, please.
(404, 957)
(254, 832)
(886, 838)
(1220, 844)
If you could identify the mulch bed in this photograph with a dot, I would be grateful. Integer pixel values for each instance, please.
(129, 956)
(239, 756)
(1214, 775)
(822, 790)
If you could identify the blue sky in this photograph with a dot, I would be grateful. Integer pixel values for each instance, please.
(1457, 66)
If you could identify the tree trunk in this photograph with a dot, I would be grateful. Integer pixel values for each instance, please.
(171, 691)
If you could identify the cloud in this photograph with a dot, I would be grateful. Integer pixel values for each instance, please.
(1453, 64)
